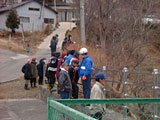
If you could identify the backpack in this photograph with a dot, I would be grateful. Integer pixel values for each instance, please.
(23, 68)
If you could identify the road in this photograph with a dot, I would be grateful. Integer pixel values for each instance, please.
(11, 62)
(27, 109)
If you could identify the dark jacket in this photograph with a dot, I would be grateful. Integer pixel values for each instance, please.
(52, 66)
(71, 72)
(34, 70)
(53, 45)
(40, 68)
(64, 81)
(26, 69)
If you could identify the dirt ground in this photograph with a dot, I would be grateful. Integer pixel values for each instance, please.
(15, 90)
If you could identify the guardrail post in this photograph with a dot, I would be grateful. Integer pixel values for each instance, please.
(155, 73)
(104, 70)
(125, 70)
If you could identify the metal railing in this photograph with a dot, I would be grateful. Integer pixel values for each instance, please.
(113, 109)
(126, 79)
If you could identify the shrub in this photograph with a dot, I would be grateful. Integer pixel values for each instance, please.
(48, 29)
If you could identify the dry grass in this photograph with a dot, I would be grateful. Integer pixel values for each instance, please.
(16, 42)
(15, 90)
(100, 59)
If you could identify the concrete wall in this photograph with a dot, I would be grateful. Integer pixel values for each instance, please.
(45, 93)
(36, 20)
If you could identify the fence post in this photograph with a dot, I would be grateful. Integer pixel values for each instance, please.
(125, 70)
(104, 70)
(155, 73)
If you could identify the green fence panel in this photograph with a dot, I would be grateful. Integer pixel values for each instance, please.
(114, 109)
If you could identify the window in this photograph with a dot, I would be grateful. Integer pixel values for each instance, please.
(34, 9)
(24, 19)
(48, 20)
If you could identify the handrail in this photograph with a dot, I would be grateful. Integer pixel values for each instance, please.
(67, 111)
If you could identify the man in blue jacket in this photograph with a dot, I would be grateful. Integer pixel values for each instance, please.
(85, 72)
(70, 56)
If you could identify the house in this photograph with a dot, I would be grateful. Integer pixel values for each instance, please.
(4, 3)
(65, 10)
(33, 15)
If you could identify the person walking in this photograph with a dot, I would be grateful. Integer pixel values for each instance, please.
(41, 70)
(64, 44)
(26, 69)
(85, 72)
(53, 45)
(74, 76)
(64, 82)
(34, 72)
(98, 92)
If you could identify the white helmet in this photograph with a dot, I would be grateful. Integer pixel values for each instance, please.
(83, 51)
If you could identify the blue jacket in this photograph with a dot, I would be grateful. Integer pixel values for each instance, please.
(68, 59)
(86, 67)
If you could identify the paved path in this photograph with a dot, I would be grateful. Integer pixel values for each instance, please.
(11, 62)
(64, 26)
(30, 109)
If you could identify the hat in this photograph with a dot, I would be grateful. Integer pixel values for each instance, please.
(34, 59)
(64, 64)
(101, 75)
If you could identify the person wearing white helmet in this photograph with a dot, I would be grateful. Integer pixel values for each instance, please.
(85, 72)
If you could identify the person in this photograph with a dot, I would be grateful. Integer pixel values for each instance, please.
(41, 70)
(70, 56)
(26, 69)
(69, 39)
(34, 72)
(28, 48)
(64, 44)
(60, 61)
(74, 76)
(98, 92)
(75, 56)
(85, 72)
(64, 82)
(52, 68)
(53, 45)
(56, 39)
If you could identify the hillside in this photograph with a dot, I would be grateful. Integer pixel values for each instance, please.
(150, 61)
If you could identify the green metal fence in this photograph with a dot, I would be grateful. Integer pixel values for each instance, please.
(115, 109)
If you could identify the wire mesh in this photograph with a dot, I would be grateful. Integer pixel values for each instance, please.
(106, 109)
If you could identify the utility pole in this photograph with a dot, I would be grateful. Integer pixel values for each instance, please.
(55, 5)
(82, 17)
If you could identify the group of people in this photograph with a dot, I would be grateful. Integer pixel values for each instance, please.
(67, 69)
(31, 71)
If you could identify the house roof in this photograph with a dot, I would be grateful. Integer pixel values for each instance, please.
(5, 9)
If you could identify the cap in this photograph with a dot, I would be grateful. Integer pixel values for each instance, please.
(101, 75)
(64, 64)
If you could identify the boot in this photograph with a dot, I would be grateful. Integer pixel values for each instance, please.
(26, 87)
(31, 85)
(35, 85)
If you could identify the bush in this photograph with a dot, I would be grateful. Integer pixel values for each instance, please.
(48, 29)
